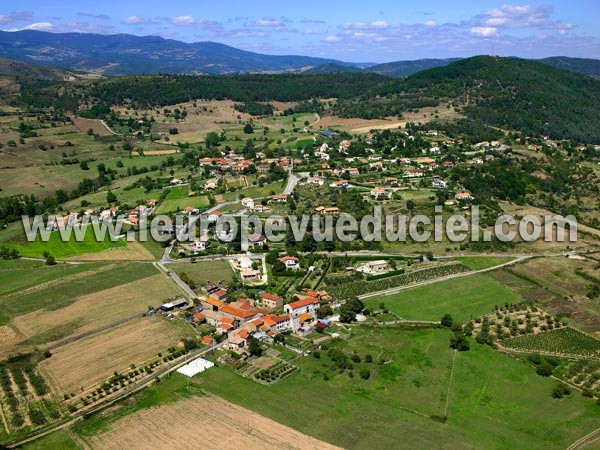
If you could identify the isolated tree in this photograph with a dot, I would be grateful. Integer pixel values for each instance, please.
(110, 197)
(254, 347)
(544, 369)
(248, 128)
(50, 260)
(447, 321)
(459, 342)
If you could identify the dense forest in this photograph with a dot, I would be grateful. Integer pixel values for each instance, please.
(517, 94)
(507, 93)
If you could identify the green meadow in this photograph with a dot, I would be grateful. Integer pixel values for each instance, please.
(463, 298)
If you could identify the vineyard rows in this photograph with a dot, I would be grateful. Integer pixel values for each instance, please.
(565, 341)
(356, 288)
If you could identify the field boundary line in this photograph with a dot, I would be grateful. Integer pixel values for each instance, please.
(453, 276)
(94, 331)
(447, 405)
(583, 439)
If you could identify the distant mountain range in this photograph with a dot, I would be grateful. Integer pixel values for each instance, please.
(125, 54)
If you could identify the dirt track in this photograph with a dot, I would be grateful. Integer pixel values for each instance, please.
(201, 422)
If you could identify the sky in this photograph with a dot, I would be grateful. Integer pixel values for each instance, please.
(365, 31)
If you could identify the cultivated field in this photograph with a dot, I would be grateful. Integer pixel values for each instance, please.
(205, 270)
(218, 423)
(95, 125)
(463, 298)
(133, 251)
(92, 311)
(494, 401)
(93, 359)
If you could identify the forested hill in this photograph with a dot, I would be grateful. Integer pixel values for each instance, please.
(508, 93)
(170, 89)
(523, 95)
(590, 67)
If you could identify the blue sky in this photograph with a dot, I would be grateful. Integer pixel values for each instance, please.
(374, 30)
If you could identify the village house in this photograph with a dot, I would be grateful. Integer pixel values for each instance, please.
(279, 198)
(251, 274)
(291, 262)
(277, 323)
(352, 171)
(248, 203)
(412, 172)
(379, 193)
(257, 239)
(374, 267)
(437, 182)
(339, 184)
(321, 295)
(240, 310)
(201, 244)
(261, 209)
(463, 196)
(237, 340)
(314, 180)
(211, 184)
(191, 211)
(344, 146)
(214, 216)
(270, 301)
(243, 262)
(263, 168)
(391, 180)
(328, 211)
(302, 311)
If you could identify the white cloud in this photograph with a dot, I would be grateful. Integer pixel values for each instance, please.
(313, 31)
(38, 26)
(189, 21)
(430, 23)
(332, 39)
(184, 20)
(518, 16)
(133, 20)
(484, 31)
(379, 24)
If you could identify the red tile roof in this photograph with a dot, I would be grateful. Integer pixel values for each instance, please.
(268, 296)
(303, 302)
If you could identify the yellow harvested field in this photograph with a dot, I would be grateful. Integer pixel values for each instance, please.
(84, 125)
(92, 311)
(202, 422)
(133, 251)
(12, 342)
(93, 359)
(161, 152)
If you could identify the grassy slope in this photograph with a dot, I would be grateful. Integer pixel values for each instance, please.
(205, 270)
(463, 298)
(22, 274)
(483, 262)
(57, 296)
(60, 249)
(496, 402)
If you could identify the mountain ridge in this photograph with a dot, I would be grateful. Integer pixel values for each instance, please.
(127, 54)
